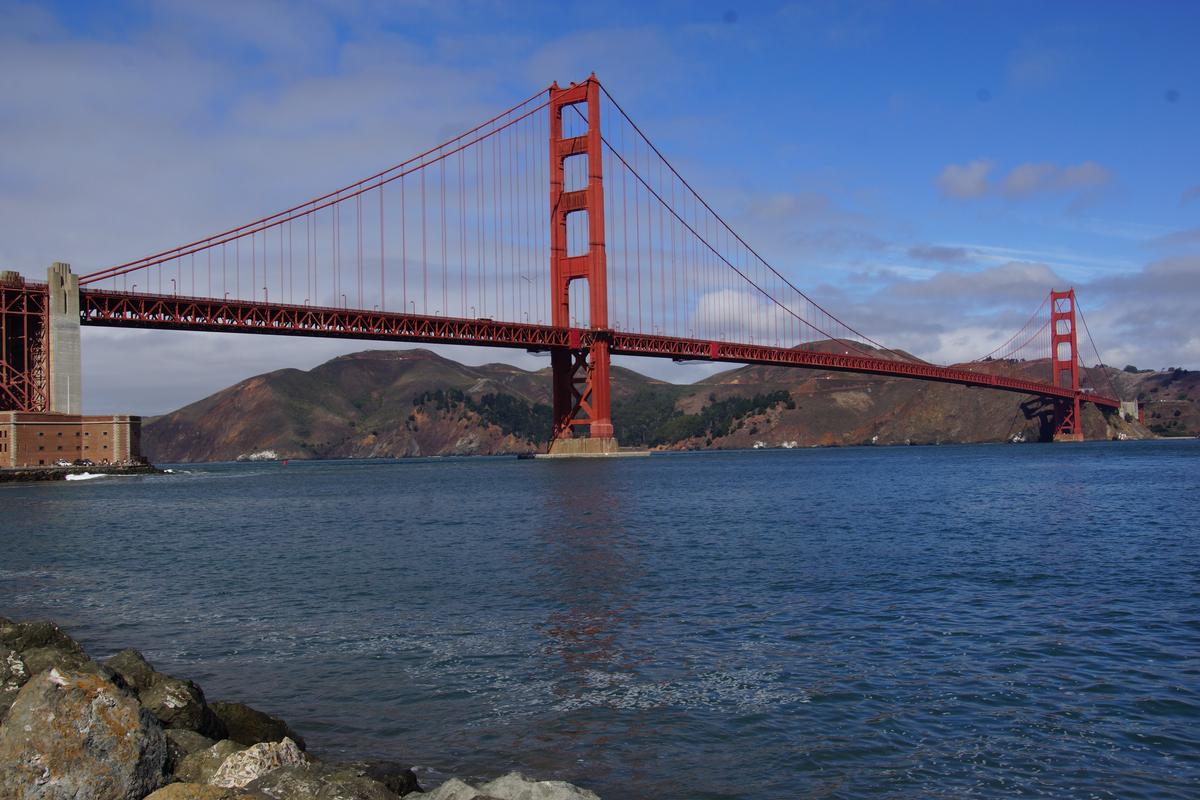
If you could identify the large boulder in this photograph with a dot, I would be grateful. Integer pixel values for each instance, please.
(453, 789)
(14, 673)
(254, 762)
(40, 659)
(398, 779)
(42, 645)
(181, 744)
(178, 703)
(199, 767)
(76, 736)
(203, 791)
(250, 726)
(315, 781)
(21, 636)
(513, 786)
(135, 670)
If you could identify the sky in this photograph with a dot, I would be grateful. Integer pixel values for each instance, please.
(926, 170)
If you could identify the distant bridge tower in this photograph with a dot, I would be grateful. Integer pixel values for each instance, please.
(1064, 361)
(40, 366)
(581, 374)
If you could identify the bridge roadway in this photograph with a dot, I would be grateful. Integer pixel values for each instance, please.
(174, 312)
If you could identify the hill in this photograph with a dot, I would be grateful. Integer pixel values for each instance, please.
(802, 408)
(377, 403)
(395, 403)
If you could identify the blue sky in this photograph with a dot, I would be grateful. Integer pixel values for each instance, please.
(927, 169)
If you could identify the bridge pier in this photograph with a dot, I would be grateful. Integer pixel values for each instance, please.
(1067, 421)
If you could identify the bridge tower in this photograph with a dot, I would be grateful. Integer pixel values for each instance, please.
(581, 382)
(40, 368)
(1064, 361)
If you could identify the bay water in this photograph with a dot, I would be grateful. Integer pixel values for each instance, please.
(958, 621)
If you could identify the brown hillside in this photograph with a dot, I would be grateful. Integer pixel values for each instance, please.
(413, 402)
(361, 406)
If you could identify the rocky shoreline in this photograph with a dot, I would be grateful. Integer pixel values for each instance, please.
(35, 474)
(72, 728)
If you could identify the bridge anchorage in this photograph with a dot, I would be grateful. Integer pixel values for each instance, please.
(601, 249)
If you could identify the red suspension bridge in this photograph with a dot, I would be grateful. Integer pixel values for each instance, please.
(598, 248)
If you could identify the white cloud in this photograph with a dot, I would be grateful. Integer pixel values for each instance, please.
(1032, 178)
(966, 180)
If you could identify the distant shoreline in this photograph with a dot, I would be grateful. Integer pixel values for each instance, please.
(660, 451)
(41, 474)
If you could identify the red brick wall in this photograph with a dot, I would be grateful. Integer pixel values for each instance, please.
(31, 440)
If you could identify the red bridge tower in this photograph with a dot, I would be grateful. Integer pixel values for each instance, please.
(1064, 361)
(581, 374)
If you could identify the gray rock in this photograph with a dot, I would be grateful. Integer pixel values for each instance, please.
(96, 668)
(453, 789)
(254, 762)
(40, 659)
(319, 782)
(135, 670)
(22, 636)
(181, 744)
(251, 726)
(202, 791)
(14, 673)
(199, 767)
(513, 786)
(177, 703)
(398, 779)
(180, 704)
(76, 736)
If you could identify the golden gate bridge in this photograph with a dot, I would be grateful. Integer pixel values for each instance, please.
(554, 226)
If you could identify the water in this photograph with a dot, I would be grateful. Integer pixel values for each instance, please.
(994, 621)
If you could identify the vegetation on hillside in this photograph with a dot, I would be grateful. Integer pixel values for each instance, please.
(649, 417)
(530, 421)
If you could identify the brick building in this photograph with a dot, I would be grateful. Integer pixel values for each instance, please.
(30, 439)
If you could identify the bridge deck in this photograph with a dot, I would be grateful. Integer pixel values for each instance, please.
(172, 312)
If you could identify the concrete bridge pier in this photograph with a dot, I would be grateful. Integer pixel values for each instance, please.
(66, 370)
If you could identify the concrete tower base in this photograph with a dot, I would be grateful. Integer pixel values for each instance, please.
(590, 448)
